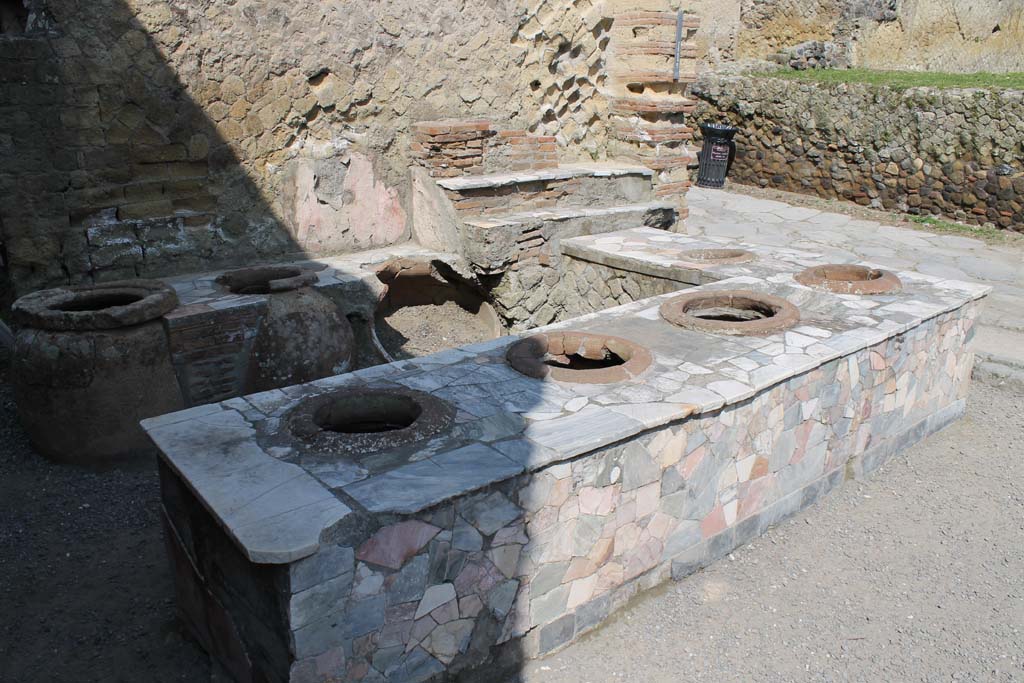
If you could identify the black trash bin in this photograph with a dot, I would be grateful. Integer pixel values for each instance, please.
(716, 155)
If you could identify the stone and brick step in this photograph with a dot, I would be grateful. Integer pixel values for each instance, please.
(496, 243)
(573, 185)
(666, 160)
(624, 106)
(562, 172)
(633, 20)
(641, 77)
(651, 134)
(672, 189)
(565, 213)
(455, 148)
(656, 47)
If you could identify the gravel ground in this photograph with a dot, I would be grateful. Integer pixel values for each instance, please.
(914, 575)
(85, 590)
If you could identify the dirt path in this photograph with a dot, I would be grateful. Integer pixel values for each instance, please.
(914, 575)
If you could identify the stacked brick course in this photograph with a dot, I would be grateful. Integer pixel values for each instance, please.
(522, 151)
(452, 148)
(650, 105)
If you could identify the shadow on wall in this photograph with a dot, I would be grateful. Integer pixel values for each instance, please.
(110, 169)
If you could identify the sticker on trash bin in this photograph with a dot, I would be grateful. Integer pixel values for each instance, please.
(719, 153)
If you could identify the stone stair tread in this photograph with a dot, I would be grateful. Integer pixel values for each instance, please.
(653, 77)
(641, 18)
(657, 47)
(626, 105)
(651, 133)
(564, 213)
(684, 156)
(561, 172)
(667, 153)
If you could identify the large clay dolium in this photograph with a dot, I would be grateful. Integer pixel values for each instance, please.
(89, 363)
(302, 337)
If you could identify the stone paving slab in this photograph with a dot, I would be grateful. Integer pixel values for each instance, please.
(562, 172)
(566, 213)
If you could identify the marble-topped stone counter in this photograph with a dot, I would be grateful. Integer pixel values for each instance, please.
(212, 333)
(507, 423)
(199, 292)
(531, 509)
(661, 254)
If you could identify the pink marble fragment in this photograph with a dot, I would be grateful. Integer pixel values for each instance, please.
(393, 545)
(597, 501)
(689, 464)
(713, 523)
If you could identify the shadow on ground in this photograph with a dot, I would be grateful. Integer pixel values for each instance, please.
(84, 579)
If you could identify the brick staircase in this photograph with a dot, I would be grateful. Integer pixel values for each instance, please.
(502, 200)
(648, 104)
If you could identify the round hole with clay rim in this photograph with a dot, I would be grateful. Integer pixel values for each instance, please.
(736, 312)
(102, 306)
(718, 256)
(262, 279)
(370, 414)
(582, 357)
(358, 422)
(97, 300)
(849, 279)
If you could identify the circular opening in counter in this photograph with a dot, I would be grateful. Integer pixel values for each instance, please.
(103, 306)
(372, 414)
(355, 422)
(718, 256)
(265, 279)
(97, 300)
(738, 312)
(580, 357)
(849, 279)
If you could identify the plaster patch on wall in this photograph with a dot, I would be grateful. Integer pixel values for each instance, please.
(336, 203)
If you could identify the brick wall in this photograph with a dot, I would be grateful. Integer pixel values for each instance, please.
(454, 148)
(108, 169)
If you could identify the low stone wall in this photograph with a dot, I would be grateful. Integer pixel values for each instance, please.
(538, 288)
(955, 153)
(595, 287)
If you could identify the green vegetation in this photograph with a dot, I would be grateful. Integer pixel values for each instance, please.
(901, 80)
(988, 234)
